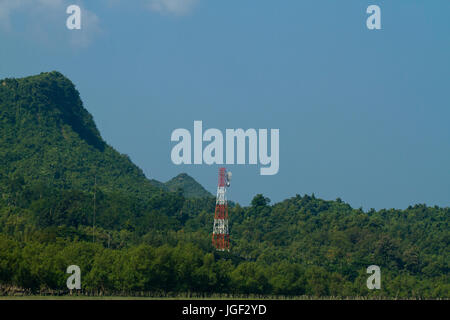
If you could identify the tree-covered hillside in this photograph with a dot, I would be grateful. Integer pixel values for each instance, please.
(47, 136)
(301, 246)
(190, 187)
(66, 197)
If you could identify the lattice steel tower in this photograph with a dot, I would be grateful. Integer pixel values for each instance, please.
(220, 236)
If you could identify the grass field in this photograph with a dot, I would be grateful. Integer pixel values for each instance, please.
(81, 297)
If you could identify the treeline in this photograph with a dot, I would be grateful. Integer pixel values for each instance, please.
(186, 268)
(301, 246)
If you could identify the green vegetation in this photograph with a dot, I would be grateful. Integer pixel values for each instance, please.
(156, 238)
(47, 136)
(190, 187)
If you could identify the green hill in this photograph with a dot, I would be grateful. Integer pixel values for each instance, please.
(46, 135)
(191, 188)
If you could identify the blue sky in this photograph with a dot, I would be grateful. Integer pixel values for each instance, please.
(363, 115)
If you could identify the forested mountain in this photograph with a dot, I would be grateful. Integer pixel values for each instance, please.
(69, 198)
(48, 137)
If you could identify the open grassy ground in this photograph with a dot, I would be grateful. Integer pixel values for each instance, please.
(80, 297)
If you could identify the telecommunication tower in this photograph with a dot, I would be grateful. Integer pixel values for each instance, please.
(221, 237)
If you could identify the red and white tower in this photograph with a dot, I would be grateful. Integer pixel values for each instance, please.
(220, 236)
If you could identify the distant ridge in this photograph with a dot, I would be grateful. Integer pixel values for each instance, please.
(191, 188)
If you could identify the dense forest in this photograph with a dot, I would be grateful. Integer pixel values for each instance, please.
(69, 198)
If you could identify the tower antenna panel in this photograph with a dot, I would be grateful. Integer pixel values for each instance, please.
(221, 236)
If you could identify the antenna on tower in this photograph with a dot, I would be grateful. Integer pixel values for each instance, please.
(221, 236)
(228, 178)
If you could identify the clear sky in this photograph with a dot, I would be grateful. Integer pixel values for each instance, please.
(364, 115)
